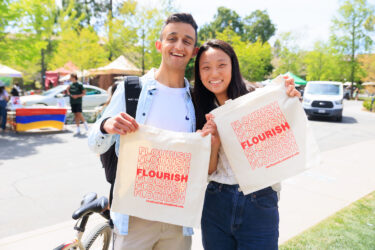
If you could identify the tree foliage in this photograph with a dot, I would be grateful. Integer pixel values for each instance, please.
(254, 26)
(254, 58)
(351, 31)
(94, 12)
(326, 63)
(287, 55)
(258, 25)
(39, 35)
(367, 62)
(32, 45)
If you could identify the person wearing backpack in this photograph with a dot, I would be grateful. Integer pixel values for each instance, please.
(164, 102)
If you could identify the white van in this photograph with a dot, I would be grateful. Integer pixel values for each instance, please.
(323, 99)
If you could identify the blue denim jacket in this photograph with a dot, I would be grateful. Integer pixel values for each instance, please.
(100, 143)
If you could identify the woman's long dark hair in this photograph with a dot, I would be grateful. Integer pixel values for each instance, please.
(204, 100)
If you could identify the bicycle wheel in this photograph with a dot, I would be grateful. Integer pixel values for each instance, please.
(99, 237)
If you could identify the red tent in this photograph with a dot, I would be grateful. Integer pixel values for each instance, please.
(52, 77)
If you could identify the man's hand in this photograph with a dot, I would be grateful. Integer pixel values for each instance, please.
(120, 124)
(290, 87)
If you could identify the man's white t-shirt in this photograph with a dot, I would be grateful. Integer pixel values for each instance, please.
(168, 110)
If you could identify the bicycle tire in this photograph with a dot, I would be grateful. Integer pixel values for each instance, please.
(103, 229)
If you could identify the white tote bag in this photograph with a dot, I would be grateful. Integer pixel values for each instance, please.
(162, 175)
(265, 137)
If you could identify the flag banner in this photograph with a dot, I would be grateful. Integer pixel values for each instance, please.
(36, 118)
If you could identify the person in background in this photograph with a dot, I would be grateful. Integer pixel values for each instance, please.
(355, 93)
(76, 92)
(4, 98)
(16, 90)
(86, 81)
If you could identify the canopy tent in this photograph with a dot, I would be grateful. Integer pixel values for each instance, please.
(346, 84)
(297, 80)
(6, 71)
(67, 69)
(52, 77)
(80, 74)
(120, 66)
(369, 87)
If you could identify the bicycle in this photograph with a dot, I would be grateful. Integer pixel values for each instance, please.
(100, 236)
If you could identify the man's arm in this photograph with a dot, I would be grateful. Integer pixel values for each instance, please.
(67, 90)
(210, 128)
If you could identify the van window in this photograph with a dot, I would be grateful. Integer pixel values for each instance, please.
(323, 89)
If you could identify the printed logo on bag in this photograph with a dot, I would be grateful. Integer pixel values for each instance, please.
(162, 176)
(265, 137)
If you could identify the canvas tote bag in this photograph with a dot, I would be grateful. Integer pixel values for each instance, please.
(265, 137)
(162, 175)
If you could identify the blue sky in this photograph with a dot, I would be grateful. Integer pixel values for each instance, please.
(308, 20)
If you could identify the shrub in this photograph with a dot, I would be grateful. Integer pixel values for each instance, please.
(367, 104)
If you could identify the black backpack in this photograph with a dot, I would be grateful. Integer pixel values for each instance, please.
(109, 158)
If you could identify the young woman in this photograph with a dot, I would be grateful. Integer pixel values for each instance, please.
(230, 219)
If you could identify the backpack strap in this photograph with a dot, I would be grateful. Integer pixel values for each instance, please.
(132, 92)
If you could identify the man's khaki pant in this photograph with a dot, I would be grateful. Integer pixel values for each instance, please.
(147, 235)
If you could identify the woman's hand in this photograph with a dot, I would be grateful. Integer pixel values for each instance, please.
(290, 87)
(210, 128)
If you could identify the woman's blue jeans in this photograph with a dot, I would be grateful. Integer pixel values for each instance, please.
(232, 220)
(3, 113)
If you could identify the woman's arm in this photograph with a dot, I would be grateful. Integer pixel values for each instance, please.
(210, 128)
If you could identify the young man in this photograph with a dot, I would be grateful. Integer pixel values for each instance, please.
(165, 102)
(76, 92)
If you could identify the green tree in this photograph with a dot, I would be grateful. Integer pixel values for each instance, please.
(254, 58)
(222, 19)
(78, 47)
(94, 12)
(254, 26)
(35, 24)
(351, 30)
(317, 62)
(258, 25)
(7, 16)
(288, 56)
(149, 23)
(326, 63)
(120, 34)
(77, 44)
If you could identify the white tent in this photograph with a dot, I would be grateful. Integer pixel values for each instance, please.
(79, 73)
(5, 71)
(369, 87)
(119, 66)
(350, 84)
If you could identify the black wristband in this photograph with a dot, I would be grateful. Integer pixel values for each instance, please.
(102, 126)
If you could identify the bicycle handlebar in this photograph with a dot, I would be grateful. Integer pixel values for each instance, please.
(96, 206)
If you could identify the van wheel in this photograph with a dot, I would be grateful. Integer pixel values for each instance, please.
(339, 118)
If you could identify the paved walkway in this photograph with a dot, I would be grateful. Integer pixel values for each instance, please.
(345, 175)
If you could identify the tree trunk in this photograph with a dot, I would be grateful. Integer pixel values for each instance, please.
(43, 71)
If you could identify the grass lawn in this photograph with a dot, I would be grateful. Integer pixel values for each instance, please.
(353, 227)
